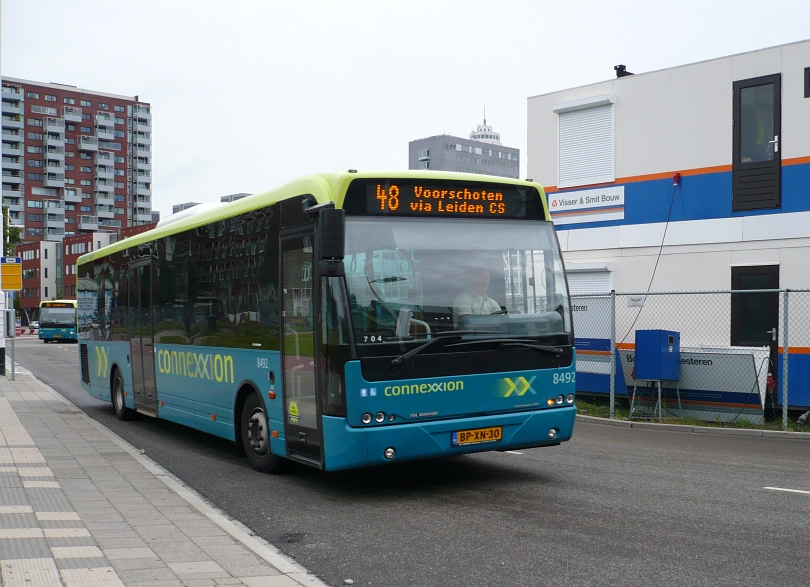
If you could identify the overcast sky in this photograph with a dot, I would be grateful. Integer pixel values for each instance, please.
(247, 95)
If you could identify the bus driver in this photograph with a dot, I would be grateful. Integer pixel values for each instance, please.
(475, 299)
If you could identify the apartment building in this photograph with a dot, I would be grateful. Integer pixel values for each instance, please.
(74, 161)
(482, 154)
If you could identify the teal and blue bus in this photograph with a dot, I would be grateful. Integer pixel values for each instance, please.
(338, 321)
(58, 320)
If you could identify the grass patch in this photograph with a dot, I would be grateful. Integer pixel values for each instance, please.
(599, 407)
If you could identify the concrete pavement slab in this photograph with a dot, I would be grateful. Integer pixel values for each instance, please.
(79, 506)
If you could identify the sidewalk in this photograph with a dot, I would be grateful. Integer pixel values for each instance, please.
(79, 507)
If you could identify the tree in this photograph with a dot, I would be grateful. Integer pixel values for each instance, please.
(13, 235)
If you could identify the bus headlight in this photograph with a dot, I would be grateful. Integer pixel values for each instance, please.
(552, 434)
(389, 453)
(366, 418)
(570, 398)
(380, 417)
(560, 399)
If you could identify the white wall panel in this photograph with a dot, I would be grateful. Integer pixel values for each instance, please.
(795, 139)
(757, 63)
(641, 115)
(770, 226)
(763, 256)
(594, 238)
(705, 231)
(541, 152)
(794, 270)
(572, 94)
(700, 116)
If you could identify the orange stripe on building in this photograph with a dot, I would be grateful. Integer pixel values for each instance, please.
(669, 174)
(584, 212)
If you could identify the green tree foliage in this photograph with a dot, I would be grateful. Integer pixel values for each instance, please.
(12, 234)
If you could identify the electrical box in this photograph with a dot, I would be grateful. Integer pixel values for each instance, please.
(658, 355)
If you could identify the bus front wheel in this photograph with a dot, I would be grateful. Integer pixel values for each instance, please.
(256, 436)
(120, 408)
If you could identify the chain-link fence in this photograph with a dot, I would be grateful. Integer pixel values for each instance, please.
(737, 357)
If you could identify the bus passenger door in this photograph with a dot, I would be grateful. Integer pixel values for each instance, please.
(301, 407)
(141, 340)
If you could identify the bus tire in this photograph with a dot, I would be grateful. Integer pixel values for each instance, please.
(256, 436)
(122, 412)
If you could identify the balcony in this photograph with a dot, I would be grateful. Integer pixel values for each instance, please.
(142, 112)
(88, 222)
(143, 126)
(53, 220)
(110, 224)
(143, 140)
(87, 143)
(103, 199)
(56, 154)
(12, 121)
(13, 204)
(15, 179)
(105, 187)
(105, 133)
(12, 92)
(143, 165)
(71, 114)
(104, 213)
(105, 172)
(105, 158)
(54, 180)
(54, 234)
(54, 125)
(73, 195)
(145, 217)
(143, 191)
(12, 108)
(12, 163)
(54, 140)
(144, 200)
(13, 149)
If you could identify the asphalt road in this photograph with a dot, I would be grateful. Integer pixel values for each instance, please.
(614, 506)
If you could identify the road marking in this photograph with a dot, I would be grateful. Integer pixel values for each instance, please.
(514, 452)
(788, 490)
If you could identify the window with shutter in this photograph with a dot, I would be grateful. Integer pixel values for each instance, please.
(585, 147)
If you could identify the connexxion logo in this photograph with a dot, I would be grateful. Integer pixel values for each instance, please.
(520, 385)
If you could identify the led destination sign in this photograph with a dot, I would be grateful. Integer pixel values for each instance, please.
(408, 197)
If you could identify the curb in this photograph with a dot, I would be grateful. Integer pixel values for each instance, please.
(695, 429)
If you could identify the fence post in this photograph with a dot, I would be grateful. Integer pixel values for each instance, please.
(785, 354)
(612, 354)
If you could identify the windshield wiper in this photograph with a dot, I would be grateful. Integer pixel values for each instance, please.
(555, 350)
(436, 336)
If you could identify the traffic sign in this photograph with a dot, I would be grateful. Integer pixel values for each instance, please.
(11, 273)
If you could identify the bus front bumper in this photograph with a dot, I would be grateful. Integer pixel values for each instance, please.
(347, 447)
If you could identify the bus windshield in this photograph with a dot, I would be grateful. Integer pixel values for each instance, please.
(56, 317)
(412, 279)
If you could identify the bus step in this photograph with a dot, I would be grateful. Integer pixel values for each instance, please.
(147, 412)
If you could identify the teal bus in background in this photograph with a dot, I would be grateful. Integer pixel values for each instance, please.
(58, 321)
(338, 321)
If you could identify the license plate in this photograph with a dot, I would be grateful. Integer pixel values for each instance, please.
(476, 436)
(57, 336)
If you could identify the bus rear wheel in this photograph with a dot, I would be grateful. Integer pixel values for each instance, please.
(256, 436)
(120, 408)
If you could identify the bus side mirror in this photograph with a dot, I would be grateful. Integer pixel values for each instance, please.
(332, 241)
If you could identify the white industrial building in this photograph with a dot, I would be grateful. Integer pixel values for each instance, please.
(736, 133)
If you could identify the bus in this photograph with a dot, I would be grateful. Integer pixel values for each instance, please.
(58, 320)
(321, 323)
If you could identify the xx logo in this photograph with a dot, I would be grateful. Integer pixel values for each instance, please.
(525, 385)
(101, 361)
